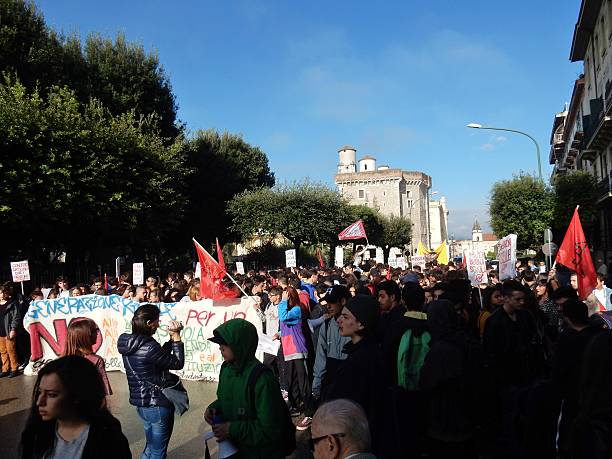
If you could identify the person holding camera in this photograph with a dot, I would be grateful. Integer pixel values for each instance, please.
(147, 365)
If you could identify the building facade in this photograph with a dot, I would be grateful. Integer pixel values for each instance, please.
(388, 190)
(484, 242)
(438, 222)
(581, 137)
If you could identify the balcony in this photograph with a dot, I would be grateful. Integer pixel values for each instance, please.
(597, 127)
(604, 189)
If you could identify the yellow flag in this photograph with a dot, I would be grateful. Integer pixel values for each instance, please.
(421, 250)
(442, 252)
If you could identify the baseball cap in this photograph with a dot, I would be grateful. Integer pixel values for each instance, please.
(217, 338)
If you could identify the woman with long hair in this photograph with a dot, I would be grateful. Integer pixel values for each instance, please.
(68, 418)
(147, 366)
(82, 337)
(492, 299)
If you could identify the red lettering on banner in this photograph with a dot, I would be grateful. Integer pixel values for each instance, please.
(38, 332)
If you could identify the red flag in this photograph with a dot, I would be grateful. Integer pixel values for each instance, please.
(106, 282)
(354, 231)
(574, 254)
(220, 256)
(211, 278)
(320, 257)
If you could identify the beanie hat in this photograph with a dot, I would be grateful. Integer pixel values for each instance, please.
(366, 310)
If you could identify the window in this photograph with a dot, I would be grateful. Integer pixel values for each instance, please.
(365, 167)
(361, 194)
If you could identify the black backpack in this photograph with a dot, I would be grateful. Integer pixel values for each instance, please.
(289, 441)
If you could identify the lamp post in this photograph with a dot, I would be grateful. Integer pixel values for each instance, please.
(480, 126)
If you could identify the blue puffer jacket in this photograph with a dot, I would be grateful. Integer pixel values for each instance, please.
(151, 363)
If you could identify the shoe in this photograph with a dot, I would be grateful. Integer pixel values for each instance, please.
(22, 366)
(285, 395)
(13, 374)
(304, 424)
(4, 374)
(294, 412)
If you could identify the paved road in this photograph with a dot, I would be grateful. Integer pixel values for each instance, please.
(186, 442)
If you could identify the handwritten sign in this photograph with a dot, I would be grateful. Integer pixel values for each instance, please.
(419, 260)
(47, 322)
(506, 254)
(339, 257)
(476, 267)
(138, 273)
(290, 258)
(20, 270)
(240, 267)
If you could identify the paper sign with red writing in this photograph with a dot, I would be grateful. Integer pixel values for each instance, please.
(506, 254)
(138, 273)
(47, 322)
(476, 267)
(20, 270)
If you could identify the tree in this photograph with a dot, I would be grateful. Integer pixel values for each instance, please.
(76, 178)
(397, 232)
(372, 223)
(523, 206)
(303, 212)
(224, 165)
(572, 189)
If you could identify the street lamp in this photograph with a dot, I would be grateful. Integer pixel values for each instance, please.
(480, 126)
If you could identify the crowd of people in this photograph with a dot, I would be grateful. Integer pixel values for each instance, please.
(376, 361)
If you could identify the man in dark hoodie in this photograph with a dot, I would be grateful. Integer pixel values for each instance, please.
(391, 326)
(255, 426)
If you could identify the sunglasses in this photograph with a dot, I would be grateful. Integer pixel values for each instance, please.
(313, 441)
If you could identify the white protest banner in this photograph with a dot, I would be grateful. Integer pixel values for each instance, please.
(393, 262)
(339, 257)
(290, 258)
(268, 345)
(47, 322)
(240, 267)
(476, 267)
(138, 273)
(401, 262)
(20, 271)
(506, 254)
(380, 255)
(419, 260)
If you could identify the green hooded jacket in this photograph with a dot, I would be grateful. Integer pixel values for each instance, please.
(258, 433)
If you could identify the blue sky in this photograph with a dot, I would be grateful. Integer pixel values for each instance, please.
(397, 80)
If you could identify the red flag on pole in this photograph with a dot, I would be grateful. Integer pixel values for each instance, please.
(574, 254)
(211, 279)
(220, 256)
(320, 257)
(354, 231)
(106, 282)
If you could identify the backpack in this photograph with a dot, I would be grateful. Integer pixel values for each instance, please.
(410, 358)
(289, 442)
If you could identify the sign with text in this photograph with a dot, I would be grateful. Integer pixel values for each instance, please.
(240, 267)
(47, 322)
(20, 271)
(339, 257)
(476, 267)
(138, 273)
(419, 260)
(506, 254)
(290, 258)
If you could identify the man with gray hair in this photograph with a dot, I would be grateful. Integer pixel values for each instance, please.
(340, 430)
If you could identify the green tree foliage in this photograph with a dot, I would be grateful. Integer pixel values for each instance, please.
(74, 176)
(120, 74)
(303, 212)
(572, 189)
(523, 206)
(224, 165)
(397, 232)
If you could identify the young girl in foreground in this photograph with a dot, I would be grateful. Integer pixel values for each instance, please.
(68, 418)
(82, 336)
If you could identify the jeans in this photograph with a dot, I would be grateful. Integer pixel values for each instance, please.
(158, 423)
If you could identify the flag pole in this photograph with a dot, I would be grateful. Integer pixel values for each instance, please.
(226, 273)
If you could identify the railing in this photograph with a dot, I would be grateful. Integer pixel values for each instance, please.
(604, 187)
(591, 122)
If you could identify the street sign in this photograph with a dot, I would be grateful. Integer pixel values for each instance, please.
(550, 249)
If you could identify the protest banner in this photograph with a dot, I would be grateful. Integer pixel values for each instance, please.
(47, 322)
(240, 267)
(339, 257)
(20, 271)
(380, 255)
(476, 267)
(419, 260)
(506, 254)
(138, 274)
(290, 258)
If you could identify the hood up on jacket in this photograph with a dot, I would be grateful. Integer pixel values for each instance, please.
(241, 336)
(128, 343)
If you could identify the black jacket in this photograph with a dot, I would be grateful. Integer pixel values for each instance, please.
(391, 327)
(11, 318)
(150, 363)
(361, 378)
(105, 440)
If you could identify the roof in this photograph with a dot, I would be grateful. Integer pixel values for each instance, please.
(489, 237)
(347, 147)
(587, 17)
(367, 157)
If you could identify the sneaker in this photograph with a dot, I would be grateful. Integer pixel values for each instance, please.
(22, 366)
(304, 424)
(4, 374)
(285, 395)
(12, 374)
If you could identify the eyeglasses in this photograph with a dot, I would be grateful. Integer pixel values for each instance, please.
(313, 441)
